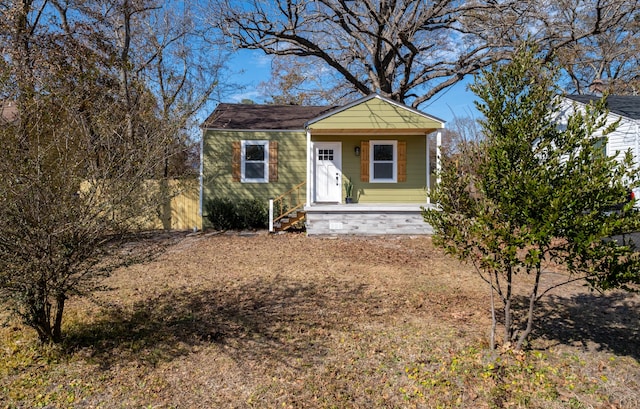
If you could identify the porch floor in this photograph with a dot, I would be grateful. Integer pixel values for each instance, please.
(342, 207)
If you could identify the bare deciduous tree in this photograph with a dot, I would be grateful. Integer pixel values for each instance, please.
(90, 130)
(411, 50)
(299, 81)
(606, 61)
(595, 42)
(403, 49)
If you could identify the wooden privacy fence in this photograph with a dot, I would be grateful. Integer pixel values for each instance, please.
(180, 210)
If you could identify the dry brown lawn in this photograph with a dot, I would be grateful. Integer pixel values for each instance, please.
(289, 321)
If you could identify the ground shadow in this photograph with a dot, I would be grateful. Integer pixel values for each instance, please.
(603, 321)
(274, 319)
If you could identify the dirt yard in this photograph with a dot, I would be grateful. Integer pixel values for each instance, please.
(288, 321)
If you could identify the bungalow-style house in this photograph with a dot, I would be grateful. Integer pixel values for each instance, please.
(625, 108)
(313, 161)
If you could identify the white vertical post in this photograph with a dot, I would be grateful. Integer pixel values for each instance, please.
(438, 156)
(428, 170)
(309, 170)
(637, 155)
(270, 215)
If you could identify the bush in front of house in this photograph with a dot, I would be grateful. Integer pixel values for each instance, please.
(230, 214)
(221, 213)
(254, 213)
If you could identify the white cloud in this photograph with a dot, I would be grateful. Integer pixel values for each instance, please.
(253, 95)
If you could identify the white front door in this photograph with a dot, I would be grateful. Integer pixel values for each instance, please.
(328, 171)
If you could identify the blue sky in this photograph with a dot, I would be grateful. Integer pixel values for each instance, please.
(250, 67)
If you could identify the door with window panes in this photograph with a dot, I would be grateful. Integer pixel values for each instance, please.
(328, 172)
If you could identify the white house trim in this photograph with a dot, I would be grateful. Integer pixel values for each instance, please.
(310, 184)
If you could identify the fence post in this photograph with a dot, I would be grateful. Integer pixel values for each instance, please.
(270, 215)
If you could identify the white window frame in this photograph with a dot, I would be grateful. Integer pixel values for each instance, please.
(372, 178)
(243, 161)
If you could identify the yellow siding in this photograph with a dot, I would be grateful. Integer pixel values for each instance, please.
(218, 181)
(411, 191)
(374, 114)
(372, 118)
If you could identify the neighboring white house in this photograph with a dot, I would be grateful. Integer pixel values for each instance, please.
(625, 108)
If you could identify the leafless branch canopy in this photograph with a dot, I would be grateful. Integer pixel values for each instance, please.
(410, 50)
(391, 47)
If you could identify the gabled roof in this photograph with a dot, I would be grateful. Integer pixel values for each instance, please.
(262, 117)
(370, 112)
(624, 105)
(380, 98)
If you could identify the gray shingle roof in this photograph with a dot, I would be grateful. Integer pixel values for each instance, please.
(257, 117)
(624, 105)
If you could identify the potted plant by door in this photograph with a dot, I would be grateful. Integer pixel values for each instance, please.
(348, 189)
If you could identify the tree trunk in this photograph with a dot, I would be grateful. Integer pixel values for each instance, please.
(56, 335)
(492, 337)
(532, 302)
(123, 67)
(38, 315)
(41, 325)
(508, 319)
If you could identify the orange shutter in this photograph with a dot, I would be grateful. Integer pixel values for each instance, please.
(273, 161)
(364, 161)
(402, 161)
(235, 161)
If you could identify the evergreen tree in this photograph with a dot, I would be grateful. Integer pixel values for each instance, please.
(534, 194)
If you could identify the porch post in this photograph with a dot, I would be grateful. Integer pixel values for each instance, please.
(309, 168)
(428, 171)
(438, 156)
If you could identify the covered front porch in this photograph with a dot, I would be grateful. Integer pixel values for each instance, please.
(365, 219)
(369, 170)
(380, 149)
(383, 152)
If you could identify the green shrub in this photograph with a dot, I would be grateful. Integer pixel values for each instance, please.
(221, 213)
(254, 213)
(229, 214)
